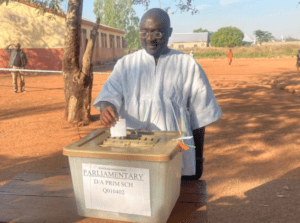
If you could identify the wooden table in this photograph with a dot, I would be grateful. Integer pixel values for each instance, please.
(43, 198)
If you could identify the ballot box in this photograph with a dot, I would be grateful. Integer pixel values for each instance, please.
(135, 178)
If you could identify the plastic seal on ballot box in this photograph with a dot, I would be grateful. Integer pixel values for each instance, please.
(119, 130)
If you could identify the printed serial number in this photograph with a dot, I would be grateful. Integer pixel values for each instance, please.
(113, 191)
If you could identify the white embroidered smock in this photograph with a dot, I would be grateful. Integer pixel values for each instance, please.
(144, 93)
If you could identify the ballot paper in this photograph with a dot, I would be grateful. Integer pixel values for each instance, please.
(119, 130)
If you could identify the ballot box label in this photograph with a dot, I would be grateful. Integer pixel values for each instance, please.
(116, 189)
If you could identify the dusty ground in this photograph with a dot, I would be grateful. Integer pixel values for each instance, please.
(252, 154)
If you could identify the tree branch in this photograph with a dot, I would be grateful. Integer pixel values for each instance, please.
(88, 55)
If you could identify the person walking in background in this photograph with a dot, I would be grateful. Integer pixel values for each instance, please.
(230, 56)
(192, 53)
(298, 61)
(18, 60)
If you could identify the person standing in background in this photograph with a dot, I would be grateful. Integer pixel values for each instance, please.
(192, 53)
(18, 60)
(230, 56)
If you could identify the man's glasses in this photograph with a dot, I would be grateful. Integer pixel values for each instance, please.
(156, 35)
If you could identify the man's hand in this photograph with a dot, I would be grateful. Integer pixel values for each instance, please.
(11, 45)
(108, 116)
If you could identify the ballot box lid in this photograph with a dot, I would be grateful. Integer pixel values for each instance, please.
(155, 146)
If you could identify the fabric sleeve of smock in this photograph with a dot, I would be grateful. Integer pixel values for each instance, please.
(7, 49)
(112, 90)
(203, 106)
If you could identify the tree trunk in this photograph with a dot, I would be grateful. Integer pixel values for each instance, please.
(78, 82)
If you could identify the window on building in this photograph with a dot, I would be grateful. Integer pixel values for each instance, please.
(181, 46)
(118, 42)
(98, 41)
(112, 41)
(103, 40)
(124, 44)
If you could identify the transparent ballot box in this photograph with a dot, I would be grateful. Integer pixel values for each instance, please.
(135, 178)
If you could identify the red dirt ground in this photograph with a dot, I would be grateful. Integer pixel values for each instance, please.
(252, 154)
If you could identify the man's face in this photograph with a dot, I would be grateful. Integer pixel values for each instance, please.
(18, 46)
(154, 46)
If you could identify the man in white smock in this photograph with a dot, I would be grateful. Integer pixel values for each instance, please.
(146, 86)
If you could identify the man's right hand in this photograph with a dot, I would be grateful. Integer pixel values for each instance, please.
(108, 116)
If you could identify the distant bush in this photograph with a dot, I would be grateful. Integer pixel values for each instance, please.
(263, 51)
(227, 37)
(291, 39)
(289, 51)
(209, 54)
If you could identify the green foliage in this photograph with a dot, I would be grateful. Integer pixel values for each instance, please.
(181, 5)
(44, 6)
(288, 51)
(263, 36)
(247, 44)
(291, 39)
(216, 54)
(119, 14)
(259, 51)
(200, 30)
(227, 37)
(132, 38)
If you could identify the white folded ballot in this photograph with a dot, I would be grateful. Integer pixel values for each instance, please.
(119, 130)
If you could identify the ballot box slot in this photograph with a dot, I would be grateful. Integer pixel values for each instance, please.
(132, 140)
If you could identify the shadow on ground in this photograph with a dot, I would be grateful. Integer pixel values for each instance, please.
(258, 129)
(277, 201)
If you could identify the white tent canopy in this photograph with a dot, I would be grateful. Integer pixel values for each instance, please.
(248, 39)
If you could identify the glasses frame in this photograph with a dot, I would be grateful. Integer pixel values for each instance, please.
(152, 35)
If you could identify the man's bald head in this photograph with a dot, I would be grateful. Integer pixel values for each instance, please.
(155, 23)
(158, 15)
